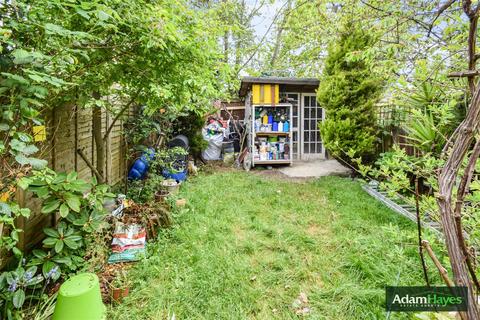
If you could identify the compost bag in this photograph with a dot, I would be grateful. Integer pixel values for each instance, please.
(213, 133)
(128, 243)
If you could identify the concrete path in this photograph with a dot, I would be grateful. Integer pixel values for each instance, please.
(316, 168)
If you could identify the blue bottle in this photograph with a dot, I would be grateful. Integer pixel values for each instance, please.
(275, 126)
(270, 118)
(286, 127)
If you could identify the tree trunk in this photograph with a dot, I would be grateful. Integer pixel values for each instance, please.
(226, 33)
(239, 38)
(226, 37)
(462, 140)
(447, 179)
(99, 141)
(472, 43)
(278, 40)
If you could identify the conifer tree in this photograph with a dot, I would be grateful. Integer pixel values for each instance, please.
(349, 91)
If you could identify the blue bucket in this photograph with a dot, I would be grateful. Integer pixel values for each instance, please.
(178, 176)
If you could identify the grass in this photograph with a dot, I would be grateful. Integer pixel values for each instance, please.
(247, 246)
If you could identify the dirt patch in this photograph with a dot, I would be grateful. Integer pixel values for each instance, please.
(239, 233)
(316, 280)
(215, 167)
(313, 229)
(275, 174)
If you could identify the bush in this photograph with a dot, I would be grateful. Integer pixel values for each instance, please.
(348, 91)
(191, 125)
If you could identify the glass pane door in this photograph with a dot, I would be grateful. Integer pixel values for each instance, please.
(312, 114)
(293, 99)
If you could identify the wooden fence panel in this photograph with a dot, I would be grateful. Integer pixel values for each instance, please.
(70, 128)
(392, 121)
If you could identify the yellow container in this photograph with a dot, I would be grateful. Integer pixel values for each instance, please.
(265, 93)
(265, 119)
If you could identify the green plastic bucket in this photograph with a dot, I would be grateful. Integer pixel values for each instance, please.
(79, 298)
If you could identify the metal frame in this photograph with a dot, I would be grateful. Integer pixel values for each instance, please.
(299, 155)
(303, 155)
(253, 134)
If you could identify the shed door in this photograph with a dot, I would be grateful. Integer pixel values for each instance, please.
(312, 146)
(295, 124)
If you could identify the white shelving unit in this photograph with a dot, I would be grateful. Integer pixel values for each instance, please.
(255, 134)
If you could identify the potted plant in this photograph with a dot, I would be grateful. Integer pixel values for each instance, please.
(171, 186)
(173, 163)
(162, 194)
(120, 286)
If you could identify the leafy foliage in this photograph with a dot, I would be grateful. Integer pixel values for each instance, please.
(434, 115)
(172, 160)
(21, 285)
(161, 54)
(191, 125)
(80, 207)
(15, 285)
(348, 91)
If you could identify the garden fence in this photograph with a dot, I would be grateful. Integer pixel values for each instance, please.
(392, 120)
(70, 128)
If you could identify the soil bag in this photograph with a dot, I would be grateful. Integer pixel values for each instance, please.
(128, 243)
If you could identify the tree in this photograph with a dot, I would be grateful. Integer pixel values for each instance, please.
(441, 33)
(145, 53)
(348, 92)
(160, 54)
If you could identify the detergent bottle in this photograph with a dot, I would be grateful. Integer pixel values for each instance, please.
(265, 119)
(286, 126)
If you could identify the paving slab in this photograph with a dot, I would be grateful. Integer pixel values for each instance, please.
(314, 169)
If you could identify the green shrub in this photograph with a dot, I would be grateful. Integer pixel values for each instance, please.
(348, 91)
(191, 125)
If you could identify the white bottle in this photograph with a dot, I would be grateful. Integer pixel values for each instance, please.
(280, 126)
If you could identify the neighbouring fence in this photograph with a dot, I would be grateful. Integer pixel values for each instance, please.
(391, 119)
(70, 128)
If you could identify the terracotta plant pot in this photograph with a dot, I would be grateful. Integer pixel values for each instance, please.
(181, 202)
(162, 195)
(119, 293)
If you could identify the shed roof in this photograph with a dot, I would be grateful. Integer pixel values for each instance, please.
(286, 84)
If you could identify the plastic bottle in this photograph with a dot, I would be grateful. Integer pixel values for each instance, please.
(270, 118)
(286, 126)
(265, 119)
(280, 126)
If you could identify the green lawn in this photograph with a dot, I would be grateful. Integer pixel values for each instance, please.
(247, 246)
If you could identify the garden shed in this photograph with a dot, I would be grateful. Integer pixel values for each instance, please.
(306, 113)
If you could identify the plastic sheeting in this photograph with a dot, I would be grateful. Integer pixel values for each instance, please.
(214, 134)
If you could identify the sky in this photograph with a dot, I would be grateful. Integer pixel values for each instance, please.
(267, 13)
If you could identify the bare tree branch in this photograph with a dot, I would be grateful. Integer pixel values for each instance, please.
(442, 9)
